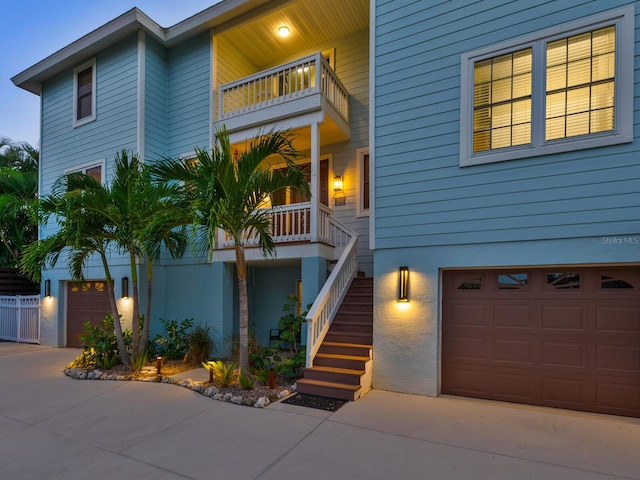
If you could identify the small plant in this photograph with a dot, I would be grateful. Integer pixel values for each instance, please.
(246, 381)
(175, 344)
(99, 345)
(264, 360)
(222, 372)
(107, 362)
(200, 345)
(139, 362)
(290, 324)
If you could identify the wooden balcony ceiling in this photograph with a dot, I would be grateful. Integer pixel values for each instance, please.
(313, 24)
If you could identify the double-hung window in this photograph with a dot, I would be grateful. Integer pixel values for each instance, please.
(84, 93)
(566, 88)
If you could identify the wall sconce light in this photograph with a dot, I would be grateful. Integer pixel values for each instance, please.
(338, 185)
(47, 288)
(125, 287)
(403, 284)
(283, 31)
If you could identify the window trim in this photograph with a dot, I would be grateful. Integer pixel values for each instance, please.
(360, 210)
(89, 118)
(623, 18)
(83, 169)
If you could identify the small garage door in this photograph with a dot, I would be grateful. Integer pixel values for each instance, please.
(556, 337)
(87, 301)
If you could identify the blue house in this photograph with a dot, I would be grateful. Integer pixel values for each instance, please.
(488, 182)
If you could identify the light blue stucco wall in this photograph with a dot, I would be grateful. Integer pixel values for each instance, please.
(575, 208)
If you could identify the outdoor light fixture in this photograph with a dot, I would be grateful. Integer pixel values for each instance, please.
(283, 31)
(125, 287)
(337, 183)
(403, 284)
(338, 195)
(47, 288)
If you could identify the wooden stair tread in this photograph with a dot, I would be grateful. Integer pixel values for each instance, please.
(347, 371)
(346, 344)
(343, 357)
(322, 383)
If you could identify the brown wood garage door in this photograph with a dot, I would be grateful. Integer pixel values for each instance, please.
(560, 337)
(88, 301)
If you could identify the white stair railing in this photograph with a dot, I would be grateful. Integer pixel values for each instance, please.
(328, 301)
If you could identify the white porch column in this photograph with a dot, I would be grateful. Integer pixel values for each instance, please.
(315, 190)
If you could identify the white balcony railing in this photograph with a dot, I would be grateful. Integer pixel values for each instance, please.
(292, 223)
(281, 84)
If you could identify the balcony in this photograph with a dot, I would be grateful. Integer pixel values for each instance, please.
(289, 95)
(293, 224)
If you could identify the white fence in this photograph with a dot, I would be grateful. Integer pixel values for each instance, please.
(20, 318)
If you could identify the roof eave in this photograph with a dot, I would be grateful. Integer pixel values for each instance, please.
(86, 47)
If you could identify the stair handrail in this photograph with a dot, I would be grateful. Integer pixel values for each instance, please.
(326, 304)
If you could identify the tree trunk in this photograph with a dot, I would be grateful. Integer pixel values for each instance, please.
(135, 315)
(147, 310)
(117, 326)
(244, 309)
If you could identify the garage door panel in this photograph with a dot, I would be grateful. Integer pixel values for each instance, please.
(567, 338)
(563, 354)
(467, 315)
(463, 348)
(620, 358)
(563, 317)
(465, 380)
(617, 398)
(564, 392)
(514, 387)
(616, 318)
(518, 317)
(519, 351)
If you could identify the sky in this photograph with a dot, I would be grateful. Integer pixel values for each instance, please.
(34, 29)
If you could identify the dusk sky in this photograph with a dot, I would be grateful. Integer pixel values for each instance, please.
(34, 29)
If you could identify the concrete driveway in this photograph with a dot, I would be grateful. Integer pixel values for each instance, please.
(53, 427)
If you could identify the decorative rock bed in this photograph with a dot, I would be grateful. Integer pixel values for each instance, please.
(259, 397)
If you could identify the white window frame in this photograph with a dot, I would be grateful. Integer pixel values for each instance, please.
(83, 169)
(90, 118)
(623, 18)
(360, 210)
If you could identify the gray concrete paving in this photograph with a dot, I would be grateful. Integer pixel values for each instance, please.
(53, 427)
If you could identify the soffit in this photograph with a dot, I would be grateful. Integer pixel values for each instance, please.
(313, 23)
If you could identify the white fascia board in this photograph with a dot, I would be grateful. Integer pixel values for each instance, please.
(85, 47)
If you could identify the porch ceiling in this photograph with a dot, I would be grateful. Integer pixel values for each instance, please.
(312, 23)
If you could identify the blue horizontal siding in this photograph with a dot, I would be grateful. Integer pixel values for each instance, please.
(423, 197)
(189, 95)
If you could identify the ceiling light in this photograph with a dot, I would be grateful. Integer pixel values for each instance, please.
(283, 31)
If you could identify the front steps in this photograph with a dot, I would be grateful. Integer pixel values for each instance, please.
(342, 367)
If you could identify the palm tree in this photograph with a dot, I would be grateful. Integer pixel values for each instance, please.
(132, 215)
(230, 194)
(18, 199)
(82, 232)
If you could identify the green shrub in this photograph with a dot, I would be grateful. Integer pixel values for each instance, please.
(99, 345)
(290, 324)
(174, 344)
(262, 361)
(291, 368)
(200, 344)
(140, 361)
(222, 372)
(245, 380)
